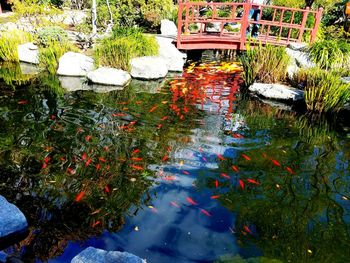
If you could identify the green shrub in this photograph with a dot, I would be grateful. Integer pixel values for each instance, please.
(46, 35)
(264, 64)
(324, 91)
(153, 11)
(32, 8)
(125, 44)
(330, 54)
(9, 41)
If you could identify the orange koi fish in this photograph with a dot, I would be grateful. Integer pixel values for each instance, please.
(106, 149)
(165, 158)
(96, 224)
(235, 168)
(138, 102)
(98, 166)
(70, 170)
(118, 114)
(220, 157)
(136, 159)
(83, 157)
(252, 181)
(136, 167)
(107, 189)
(88, 138)
(164, 118)
(204, 159)
(216, 183)
(205, 212)
(185, 172)
(87, 163)
(135, 151)
(246, 157)
(101, 159)
(44, 166)
(289, 170)
(153, 108)
(47, 159)
(159, 126)
(22, 102)
(275, 162)
(79, 196)
(169, 149)
(191, 201)
(225, 176)
(215, 196)
(248, 230)
(169, 178)
(264, 155)
(173, 203)
(241, 184)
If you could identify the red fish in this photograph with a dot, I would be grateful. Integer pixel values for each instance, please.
(136, 167)
(98, 166)
(88, 138)
(83, 157)
(275, 162)
(241, 184)
(204, 159)
(248, 230)
(191, 201)
(164, 118)
(216, 183)
(252, 181)
(79, 196)
(153, 108)
(185, 172)
(138, 102)
(159, 126)
(106, 149)
(101, 159)
(47, 159)
(44, 166)
(165, 158)
(215, 196)
(169, 149)
(87, 163)
(221, 157)
(173, 203)
(107, 189)
(169, 178)
(246, 157)
(22, 102)
(53, 117)
(235, 168)
(135, 151)
(118, 114)
(70, 170)
(225, 176)
(290, 170)
(136, 159)
(264, 155)
(205, 212)
(96, 223)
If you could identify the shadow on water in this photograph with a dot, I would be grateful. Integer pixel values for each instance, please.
(188, 171)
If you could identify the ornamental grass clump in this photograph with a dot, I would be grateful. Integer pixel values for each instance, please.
(9, 40)
(324, 91)
(124, 44)
(264, 64)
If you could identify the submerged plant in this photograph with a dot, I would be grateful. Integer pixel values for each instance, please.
(122, 46)
(264, 64)
(9, 40)
(324, 91)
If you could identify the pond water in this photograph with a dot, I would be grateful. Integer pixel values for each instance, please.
(187, 171)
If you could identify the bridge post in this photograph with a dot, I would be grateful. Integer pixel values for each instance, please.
(303, 24)
(317, 24)
(245, 24)
(179, 24)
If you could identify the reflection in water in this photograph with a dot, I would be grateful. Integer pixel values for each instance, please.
(188, 172)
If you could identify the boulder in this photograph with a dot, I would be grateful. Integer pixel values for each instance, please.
(12, 220)
(109, 76)
(73, 83)
(168, 28)
(301, 59)
(29, 53)
(148, 68)
(277, 91)
(297, 46)
(95, 255)
(346, 79)
(98, 88)
(29, 69)
(74, 17)
(173, 57)
(75, 64)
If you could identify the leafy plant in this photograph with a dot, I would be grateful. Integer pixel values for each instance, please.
(153, 11)
(264, 64)
(324, 91)
(48, 34)
(122, 46)
(9, 40)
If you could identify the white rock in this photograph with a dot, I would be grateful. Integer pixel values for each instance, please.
(148, 68)
(297, 46)
(74, 17)
(109, 76)
(172, 56)
(75, 64)
(73, 83)
(12, 220)
(346, 79)
(29, 69)
(277, 91)
(168, 28)
(302, 59)
(29, 53)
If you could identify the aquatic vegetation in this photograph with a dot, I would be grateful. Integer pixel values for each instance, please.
(11, 74)
(9, 40)
(324, 91)
(330, 54)
(125, 44)
(264, 64)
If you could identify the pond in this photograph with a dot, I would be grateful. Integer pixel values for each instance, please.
(188, 170)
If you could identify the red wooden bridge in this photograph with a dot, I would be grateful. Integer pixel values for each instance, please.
(223, 25)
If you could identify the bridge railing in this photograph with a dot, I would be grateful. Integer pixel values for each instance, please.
(277, 25)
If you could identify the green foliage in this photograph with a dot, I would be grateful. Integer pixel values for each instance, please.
(125, 44)
(48, 34)
(264, 64)
(11, 74)
(330, 54)
(32, 8)
(153, 11)
(324, 91)
(9, 41)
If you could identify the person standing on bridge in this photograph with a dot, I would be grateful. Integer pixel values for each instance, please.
(254, 13)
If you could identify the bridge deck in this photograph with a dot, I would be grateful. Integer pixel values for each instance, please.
(277, 26)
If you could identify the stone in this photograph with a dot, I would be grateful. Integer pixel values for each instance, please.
(98, 88)
(301, 59)
(149, 86)
(297, 46)
(173, 57)
(95, 255)
(277, 91)
(109, 76)
(72, 84)
(29, 53)
(12, 220)
(75, 64)
(148, 68)
(74, 17)
(29, 69)
(213, 27)
(346, 79)
(168, 28)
